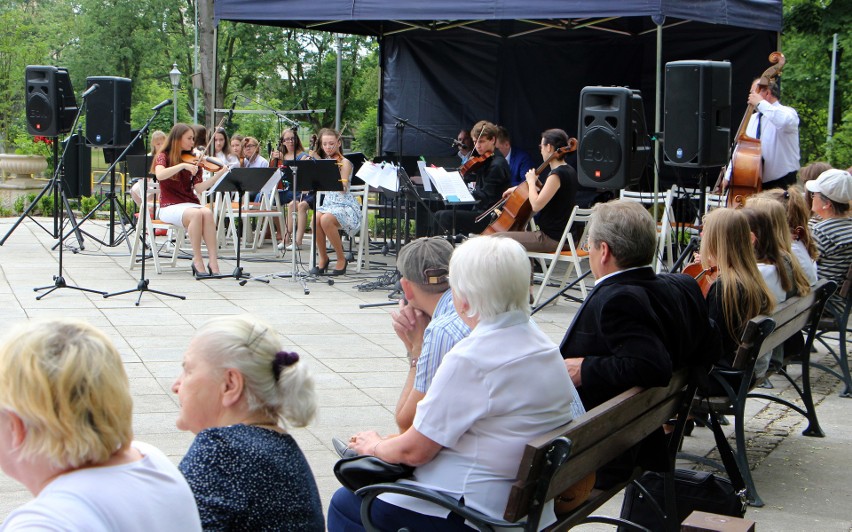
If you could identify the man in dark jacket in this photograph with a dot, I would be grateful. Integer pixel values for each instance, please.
(635, 327)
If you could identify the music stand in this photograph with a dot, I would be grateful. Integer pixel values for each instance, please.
(321, 175)
(242, 180)
(139, 165)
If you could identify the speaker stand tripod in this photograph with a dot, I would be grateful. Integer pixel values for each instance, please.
(142, 285)
(60, 201)
(114, 207)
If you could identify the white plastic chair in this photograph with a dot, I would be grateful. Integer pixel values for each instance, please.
(664, 226)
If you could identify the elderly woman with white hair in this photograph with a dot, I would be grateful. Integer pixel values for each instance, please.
(66, 434)
(481, 409)
(238, 391)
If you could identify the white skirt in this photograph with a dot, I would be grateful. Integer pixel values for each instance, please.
(173, 214)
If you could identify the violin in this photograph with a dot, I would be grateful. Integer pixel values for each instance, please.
(747, 160)
(515, 211)
(276, 162)
(475, 163)
(703, 276)
(312, 147)
(211, 164)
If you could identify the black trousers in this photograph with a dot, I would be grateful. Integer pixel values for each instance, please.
(782, 182)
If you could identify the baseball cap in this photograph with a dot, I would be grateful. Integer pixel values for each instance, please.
(426, 261)
(834, 184)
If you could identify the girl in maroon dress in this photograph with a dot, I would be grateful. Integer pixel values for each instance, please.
(179, 183)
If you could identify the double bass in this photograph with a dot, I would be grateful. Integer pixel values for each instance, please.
(746, 161)
(515, 211)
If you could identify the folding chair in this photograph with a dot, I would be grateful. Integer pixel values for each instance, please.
(664, 226)
(175, 232)
(574, 255)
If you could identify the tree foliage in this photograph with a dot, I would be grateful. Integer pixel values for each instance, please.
(807, 42)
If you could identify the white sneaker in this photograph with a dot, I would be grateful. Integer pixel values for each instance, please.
(290, 247)
(282, 246)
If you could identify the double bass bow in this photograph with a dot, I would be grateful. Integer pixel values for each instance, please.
(746, 161)
(515, 211)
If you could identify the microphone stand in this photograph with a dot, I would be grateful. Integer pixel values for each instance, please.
(405, 185)
(57, 182)
(142, 285)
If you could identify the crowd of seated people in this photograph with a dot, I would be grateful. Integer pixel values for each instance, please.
(466, 409)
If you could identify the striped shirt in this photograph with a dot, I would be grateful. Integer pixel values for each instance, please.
(444, 331)
(834, 242)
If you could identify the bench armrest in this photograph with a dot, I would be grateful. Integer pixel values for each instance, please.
(478, 519)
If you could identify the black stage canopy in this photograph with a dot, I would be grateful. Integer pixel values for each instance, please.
(446, 64)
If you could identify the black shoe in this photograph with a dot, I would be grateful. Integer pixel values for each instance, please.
(342, 448)
(197, 274)
(340, 272)
(316, 270)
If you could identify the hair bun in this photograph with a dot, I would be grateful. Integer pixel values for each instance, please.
(282, 360)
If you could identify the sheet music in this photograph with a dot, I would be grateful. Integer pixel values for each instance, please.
(449, 184)
(427, 183)
(379, 175)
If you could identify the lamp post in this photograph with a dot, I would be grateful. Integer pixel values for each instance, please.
(174, 76)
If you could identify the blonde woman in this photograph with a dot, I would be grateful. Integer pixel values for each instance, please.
(66, 434)
(739, 292)
(798, 213)
(238, 392)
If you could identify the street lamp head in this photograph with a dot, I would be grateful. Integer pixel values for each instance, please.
(174, 76)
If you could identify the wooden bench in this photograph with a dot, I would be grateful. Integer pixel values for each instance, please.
(556, 461)
(762, 335)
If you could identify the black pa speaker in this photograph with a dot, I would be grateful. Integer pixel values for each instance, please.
(614, 144)
(77, 169)
(697, 113)
(50, 102)
(108, 112)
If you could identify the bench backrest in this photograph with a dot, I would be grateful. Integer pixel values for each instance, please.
(790, 317)
(593, 440)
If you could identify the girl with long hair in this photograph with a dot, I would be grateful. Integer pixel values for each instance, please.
(739, 292)
(338, 210)
(179, 183)
(554, 201)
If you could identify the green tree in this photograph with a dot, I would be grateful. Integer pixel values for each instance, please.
(807, 42)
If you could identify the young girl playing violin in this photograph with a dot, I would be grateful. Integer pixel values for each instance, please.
(179, 183)
(222, 148)
(290, 149)
(339, 209)
(237, 149)
(251, 154)
(739, 292)
(554, 201)
(488, 181)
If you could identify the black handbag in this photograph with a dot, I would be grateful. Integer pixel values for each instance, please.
(358, 471)
(644, 499)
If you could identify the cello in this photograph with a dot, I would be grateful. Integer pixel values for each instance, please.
(515, 211)
(746, 161)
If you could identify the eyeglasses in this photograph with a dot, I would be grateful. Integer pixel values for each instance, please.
(251, 145)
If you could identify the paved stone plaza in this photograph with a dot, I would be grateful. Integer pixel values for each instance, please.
(358, 363)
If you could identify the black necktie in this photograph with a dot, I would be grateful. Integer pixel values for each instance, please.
(759, 116)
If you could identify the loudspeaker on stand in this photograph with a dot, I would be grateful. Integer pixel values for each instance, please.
(697, 111)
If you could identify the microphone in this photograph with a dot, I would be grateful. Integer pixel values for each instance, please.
(162, 104)
(90, 90)
(231, 110)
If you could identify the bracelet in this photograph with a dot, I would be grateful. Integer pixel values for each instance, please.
(376, 446)
(413, 362)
